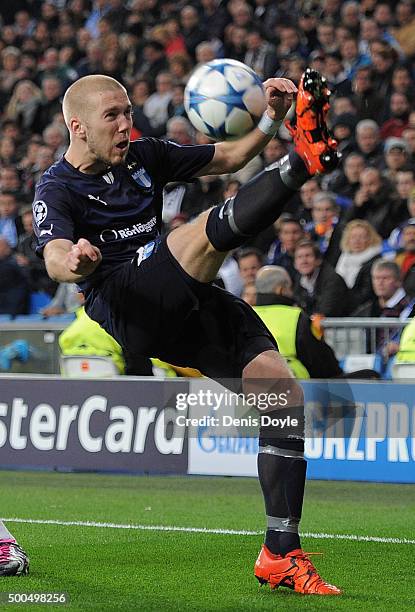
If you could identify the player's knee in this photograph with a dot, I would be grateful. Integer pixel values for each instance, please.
(221, 229)
(282, 432)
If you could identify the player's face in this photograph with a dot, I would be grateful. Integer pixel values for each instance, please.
(109, 128)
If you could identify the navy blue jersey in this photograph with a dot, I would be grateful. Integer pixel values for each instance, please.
(118, 210)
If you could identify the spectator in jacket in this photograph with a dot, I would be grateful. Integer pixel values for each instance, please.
(290, 232)
(391, 300)
(360, 246)
(406, 258)
(14, 289)
(376, 201)
(369, 143)
(307, 354)
(318, 289)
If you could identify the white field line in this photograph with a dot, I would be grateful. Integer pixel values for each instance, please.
(239, 532)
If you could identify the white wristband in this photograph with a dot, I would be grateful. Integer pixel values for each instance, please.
(268, 126)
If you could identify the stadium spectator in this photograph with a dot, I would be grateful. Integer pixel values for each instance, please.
(396, 157)
(281, 252)
(26, 257)
(205, 52)
(398, 113)
(118, 15)
(299, 341)
(408, 136)
(343, 127)
(377, 202)
(345, 181)
(180, 67)
(249, 260)
(10, 224)
(55, 137)
(318, 289)
(50, 104)
(92, 62)
(180, 130)
(153, 62)
(324, 220)
(384, 59)
(66, 300)
(193, 29)
(53, 69)
(176, 105)
(406, 257)
(235, 46)
(260, 55)
(360, 247)
(274, 150)
(23, 104)
(335, 74)
(307, 192)
(391, 300)
(352, 59)
(14, 288)
(366, 99)
(99, 9)
(369, 142)
(248, 293)
(156, 106)
(326, 38)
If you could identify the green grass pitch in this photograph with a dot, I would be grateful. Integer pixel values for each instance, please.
(148, 570)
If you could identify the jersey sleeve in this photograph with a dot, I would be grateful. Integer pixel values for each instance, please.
(52, 216)
(172, 162)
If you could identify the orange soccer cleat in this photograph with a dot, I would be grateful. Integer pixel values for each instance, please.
(312, 139)
(294, 571)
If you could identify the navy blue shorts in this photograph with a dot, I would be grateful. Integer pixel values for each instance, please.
(153, 308)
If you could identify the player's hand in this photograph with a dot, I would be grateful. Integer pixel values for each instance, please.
(280, 95)
(83, 258)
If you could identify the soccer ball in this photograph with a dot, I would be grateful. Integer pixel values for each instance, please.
(224, 99)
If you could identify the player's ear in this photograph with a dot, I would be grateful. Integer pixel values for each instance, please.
(77, 127)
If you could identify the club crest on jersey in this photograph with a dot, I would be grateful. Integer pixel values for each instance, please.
(142, 178)
(40, 211)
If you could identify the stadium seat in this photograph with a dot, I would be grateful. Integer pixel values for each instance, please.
(62, 318)
(38, 300)
(28, 318)
(353, 363)
(403, 370)
(87, 366)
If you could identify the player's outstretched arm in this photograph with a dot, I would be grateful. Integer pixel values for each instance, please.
(67, 262)
(230, 156)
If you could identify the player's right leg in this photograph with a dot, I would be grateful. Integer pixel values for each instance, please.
(13, 559)
(200, 246)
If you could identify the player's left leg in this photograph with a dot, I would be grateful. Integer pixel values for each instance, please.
(282, 472)
(13, 559)
(201, 246)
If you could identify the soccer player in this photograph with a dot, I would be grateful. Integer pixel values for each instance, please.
(13, 559)
(98, 212)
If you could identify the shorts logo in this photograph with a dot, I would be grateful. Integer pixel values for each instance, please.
(40, 211)
(145, 251)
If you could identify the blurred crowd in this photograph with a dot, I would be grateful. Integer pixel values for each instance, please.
(347, 240)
